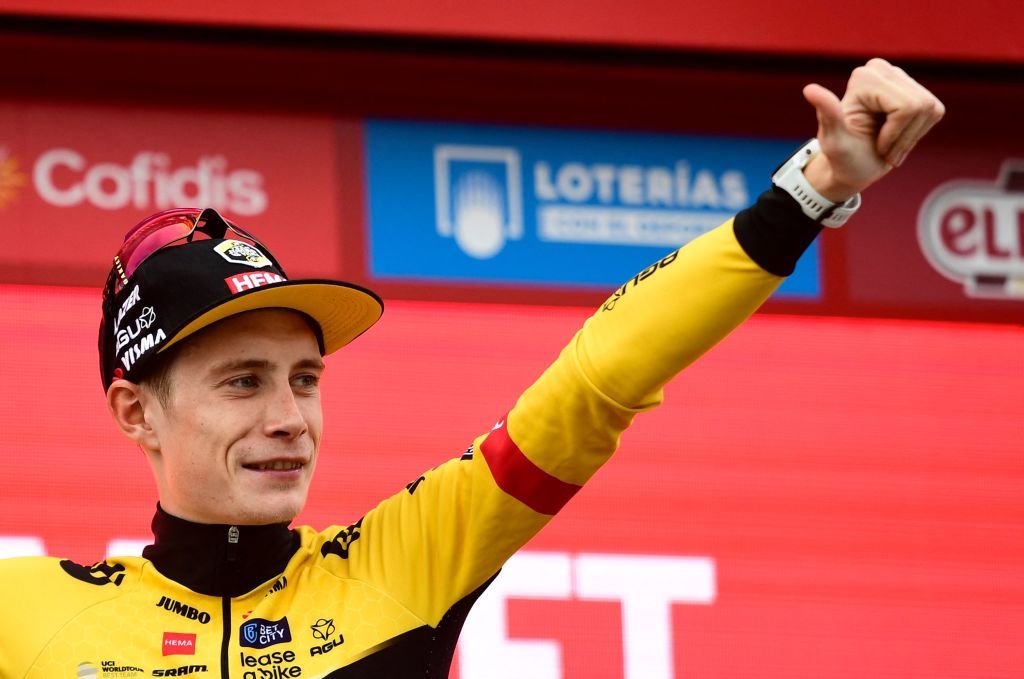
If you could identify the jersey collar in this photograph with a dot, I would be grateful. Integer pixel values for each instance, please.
(219, 559)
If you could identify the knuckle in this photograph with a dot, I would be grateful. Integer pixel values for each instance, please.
(862, 72)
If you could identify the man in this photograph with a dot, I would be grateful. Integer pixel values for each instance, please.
(211, 358)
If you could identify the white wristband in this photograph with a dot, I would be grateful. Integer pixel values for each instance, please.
(790, 178)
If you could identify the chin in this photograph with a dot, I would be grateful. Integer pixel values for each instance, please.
(268, 512)
(265, 515)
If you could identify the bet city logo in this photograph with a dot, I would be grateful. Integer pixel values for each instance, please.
(973, 233)
(261, 633)
(64, 177)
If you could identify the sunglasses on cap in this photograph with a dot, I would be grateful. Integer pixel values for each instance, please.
(167, 229)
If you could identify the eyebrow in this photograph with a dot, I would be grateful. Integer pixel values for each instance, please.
(262, 364)
(310, 363)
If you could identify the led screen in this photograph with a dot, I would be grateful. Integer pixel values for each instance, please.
(818, 497)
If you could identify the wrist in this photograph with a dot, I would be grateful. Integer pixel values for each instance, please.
(820, 176)
(791, 179)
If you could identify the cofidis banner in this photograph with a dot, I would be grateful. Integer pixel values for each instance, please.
(75, 177)
(554, 207)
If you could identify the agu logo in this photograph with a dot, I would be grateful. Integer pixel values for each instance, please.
(478, 197)
(260, 633)
(323, 630)
(11, 178)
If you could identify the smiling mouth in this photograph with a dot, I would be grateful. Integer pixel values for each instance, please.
(274, 466)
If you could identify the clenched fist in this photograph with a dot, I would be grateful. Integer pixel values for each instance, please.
(870, 131)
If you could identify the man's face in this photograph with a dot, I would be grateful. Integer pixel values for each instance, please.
(239, 434)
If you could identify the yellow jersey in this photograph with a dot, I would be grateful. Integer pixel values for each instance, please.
(387, 595)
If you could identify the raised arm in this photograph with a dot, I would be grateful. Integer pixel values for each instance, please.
(448, 533)
(666, 316)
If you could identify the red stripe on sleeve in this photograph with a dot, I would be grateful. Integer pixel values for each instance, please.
(522, 479)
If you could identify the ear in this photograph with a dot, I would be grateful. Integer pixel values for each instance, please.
(128, 404)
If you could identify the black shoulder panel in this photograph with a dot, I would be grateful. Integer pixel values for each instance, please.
(422, 652)
(102, 573)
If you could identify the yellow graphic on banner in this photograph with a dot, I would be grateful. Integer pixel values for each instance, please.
(11, 178)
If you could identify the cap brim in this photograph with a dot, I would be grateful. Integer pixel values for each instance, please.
(343, 310)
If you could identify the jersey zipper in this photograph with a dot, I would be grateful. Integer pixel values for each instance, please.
(230, 569)
(227, 636)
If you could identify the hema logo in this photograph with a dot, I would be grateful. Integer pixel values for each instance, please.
(478, 197)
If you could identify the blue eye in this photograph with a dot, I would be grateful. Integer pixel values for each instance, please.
(244, 382)
(306, 381)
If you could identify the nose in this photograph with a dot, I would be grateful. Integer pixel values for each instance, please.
(284, 418)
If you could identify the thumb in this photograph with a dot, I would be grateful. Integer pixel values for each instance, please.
(828, 108)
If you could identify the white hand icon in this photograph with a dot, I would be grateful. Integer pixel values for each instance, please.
(479, 215)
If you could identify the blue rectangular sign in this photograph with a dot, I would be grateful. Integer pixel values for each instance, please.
(554, 207)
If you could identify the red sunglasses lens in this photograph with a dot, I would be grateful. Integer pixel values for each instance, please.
(152, 236)
(162, 230)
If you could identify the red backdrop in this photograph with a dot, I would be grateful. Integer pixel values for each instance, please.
(986, 30)
(852, 485)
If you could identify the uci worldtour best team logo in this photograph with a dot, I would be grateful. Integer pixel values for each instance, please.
(108, 669)
(260, 633)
